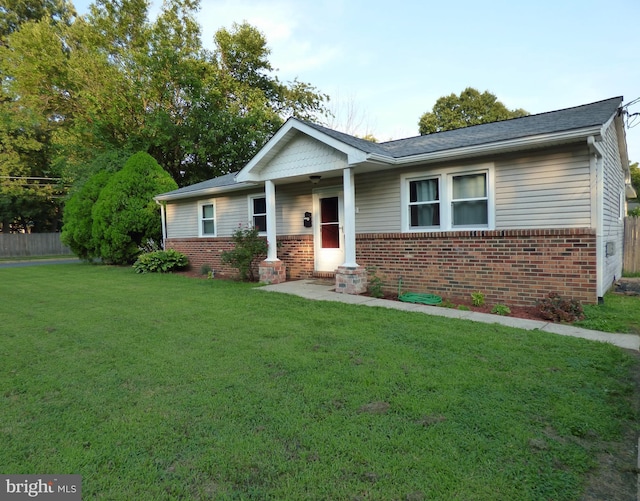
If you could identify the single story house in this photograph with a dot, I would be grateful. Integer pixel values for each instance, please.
(514, 209)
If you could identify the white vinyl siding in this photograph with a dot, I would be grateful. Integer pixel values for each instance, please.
(182, 220)
(544, 191)
(304, 156)
(292, 201)
(613, 226)
(378, 202)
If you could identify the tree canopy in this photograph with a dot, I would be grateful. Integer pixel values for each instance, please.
(469, 108)
(74, 88)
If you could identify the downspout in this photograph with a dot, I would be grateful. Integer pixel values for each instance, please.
(596, 161)
(163, 222)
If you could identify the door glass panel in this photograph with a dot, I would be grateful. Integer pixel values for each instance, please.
(329, 223)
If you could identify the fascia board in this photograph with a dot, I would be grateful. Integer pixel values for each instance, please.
(206, 192)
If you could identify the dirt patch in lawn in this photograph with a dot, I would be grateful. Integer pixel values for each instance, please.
(616, 477)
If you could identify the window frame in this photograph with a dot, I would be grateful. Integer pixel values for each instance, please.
(202, 219)
(252, 214)
(446, 176)
(438, 202)
(453, 200)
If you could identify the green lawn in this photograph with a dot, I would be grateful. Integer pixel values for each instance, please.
(165, 387)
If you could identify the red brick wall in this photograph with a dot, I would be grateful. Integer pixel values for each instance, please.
(296, 252)
(515, 267)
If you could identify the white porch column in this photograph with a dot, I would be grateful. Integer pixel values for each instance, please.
(349, 219)
(270, 199)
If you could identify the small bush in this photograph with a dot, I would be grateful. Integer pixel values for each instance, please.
(160, 262)
(375, 283)
(249, 247)
(477, 298)
(501, 309)
(558, 309)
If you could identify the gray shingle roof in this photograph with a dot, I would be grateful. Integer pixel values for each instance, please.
(579, 117)
(553, 122)
(216, 182)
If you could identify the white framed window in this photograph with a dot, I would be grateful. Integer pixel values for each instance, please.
(207, 219)
(424, 203)
(469, 200)
(622, 206)
(451, 199)
(258, 212)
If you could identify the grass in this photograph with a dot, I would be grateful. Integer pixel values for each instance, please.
(619, 313)
(164, 387)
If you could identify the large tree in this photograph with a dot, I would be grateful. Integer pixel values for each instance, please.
(114, 81)
(469, 108)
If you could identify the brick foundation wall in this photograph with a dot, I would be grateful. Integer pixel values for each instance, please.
(298, 254)
(206, 251)
(515, 267)
(296, 251)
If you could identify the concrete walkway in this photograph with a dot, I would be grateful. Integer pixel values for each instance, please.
(319, 290)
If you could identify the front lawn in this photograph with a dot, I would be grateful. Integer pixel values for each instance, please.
(165, 387)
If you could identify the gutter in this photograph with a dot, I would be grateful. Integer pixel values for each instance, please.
(163, 222)
(205, 191)
(597, 168)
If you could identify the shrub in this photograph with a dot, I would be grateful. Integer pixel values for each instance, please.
(249, 247)
(77, 218)
(558, 309)
(477, 298)
(375, 283)
(160, 261)
(125, 214)
(501, 309)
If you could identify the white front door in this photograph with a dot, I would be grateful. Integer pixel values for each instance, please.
(328, 217)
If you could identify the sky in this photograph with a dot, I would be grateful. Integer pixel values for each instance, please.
(385, 63)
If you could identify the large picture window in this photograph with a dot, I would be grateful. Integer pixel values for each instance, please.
(207, 219)
(447, 201)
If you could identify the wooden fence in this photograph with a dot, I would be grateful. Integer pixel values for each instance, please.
(32, 244)
(631, 263)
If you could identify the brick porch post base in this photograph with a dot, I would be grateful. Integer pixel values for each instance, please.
(351, 280)
(272, 272)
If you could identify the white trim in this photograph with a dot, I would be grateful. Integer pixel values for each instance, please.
(252, 171)
(201, 204)
(206, 192)
(445, 179)
(270, 199)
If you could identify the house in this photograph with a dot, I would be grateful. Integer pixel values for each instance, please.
(515, 209)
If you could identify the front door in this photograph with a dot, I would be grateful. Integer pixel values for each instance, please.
(328, 234)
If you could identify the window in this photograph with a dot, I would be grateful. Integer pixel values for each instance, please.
(258, 212)
(424, 203)
(448, 201)
(469, 201)
(207, 219)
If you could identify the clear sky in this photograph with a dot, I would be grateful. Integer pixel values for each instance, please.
(390, 61)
